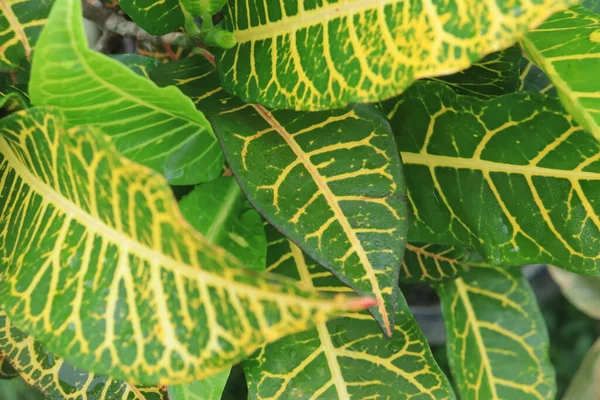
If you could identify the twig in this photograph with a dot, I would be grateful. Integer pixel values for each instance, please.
(110, 21)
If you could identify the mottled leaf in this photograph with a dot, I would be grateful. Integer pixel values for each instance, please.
(155, 17)
(345, 358)
(495, 75)
(331, 181)
(497, 340)
(219, 210)
(513, 177)
(159, 128)
(100, 266)
(567, 48)
(314, 55)
(21, 22)
(432, 263)
(57, 379)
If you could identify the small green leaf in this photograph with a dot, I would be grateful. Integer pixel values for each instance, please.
(219, 210)
(206, 389)
(155, 17)
(345, 358)
(432, 263)
(331, 181)
(468, 185)
(100, 266)
(495, 75)
(57, 379)
(585, 384)
(21, 22)
(497, 339)
(159, 128)
(302, 55)
(567, 48)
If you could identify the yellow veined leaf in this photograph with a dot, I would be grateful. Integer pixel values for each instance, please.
(57, 379)
(345, 358)
(310, 55)
(12, 98)
(100, 266)
(157, 127)
(155, 17)
(430, 263)
(567, 48)
(332, 181)
(497, 338)
(468, 185)
(21, 22)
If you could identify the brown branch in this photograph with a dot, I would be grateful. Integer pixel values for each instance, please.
(113, 22)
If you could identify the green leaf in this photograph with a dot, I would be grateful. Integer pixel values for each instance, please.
(331, 181)
(6, 369)
(12, 98)
(320, 55)
(432, 263)
(345, 358)
(207, 389)
(21, 22)
(582, 291)
(199, 8)
(497, 340)
(534, 79)
(101, 267)
(159, 128)
(567, 48)
(592, 5)
(57, 379)
(141, 65)
(219, 210)
(495, 75)
(155, 17)
(513, 177)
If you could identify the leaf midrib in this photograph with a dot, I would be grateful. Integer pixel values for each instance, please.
(49, 195)
(336, 209)
(227, 206)
(439, 161)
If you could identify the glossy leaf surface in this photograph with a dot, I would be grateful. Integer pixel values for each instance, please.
(219, 210)
(345, 358)
(312, 55)
(514, 177)
(21, 22)
(100, 266)
(155, 17)
(432, 263)
(331, 181)
(534, 79)
(497, 340)
(159, 128)
(567, 48)
(57, 379)
(494, 75)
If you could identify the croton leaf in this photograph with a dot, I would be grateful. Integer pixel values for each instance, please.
(534, 79)
(12, 99)
(100, 266)
(218, 209)
(345, 358)
(159, 128)
(468, 185)
(7, 371)
(331, 181)
(57, 379)
(21, 22)
(495, 75)
(155, 17)
(497, 339)
(319, 55)
(141, 65)
(206, 389)
(567, 48)
(430, 263)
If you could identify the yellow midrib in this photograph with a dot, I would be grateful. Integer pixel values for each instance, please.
(16, 26)
(437, 161)
(230, 199)
(49, 195)
(472, 318)
(337, 211)
(304, 19)
(324, 336)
